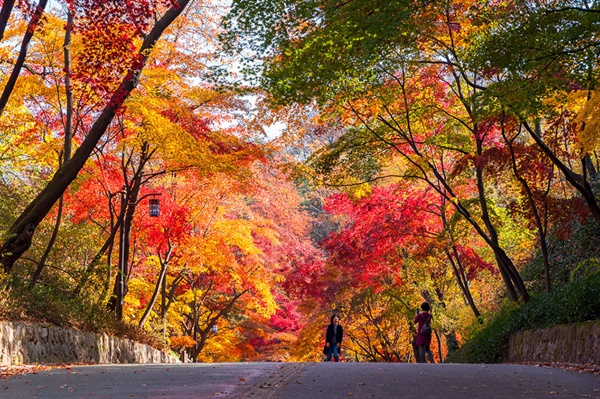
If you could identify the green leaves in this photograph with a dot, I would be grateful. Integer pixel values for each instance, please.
(532, 52)
(354, 156)
(319, 49)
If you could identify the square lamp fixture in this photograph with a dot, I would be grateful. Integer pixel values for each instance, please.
(154, 207)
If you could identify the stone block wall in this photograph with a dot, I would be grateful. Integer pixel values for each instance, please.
(573, 343)
(24, 343)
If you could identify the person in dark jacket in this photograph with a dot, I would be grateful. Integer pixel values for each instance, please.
(333, 339)
(424, 338)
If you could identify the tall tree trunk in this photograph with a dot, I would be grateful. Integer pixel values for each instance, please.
(67, 145)
(578, 181)
(42, 263)
(7, 7)
(509, 274)
(512, 278)
(457, 266)
(209, 322)
(439, 345)
(169, 297)
(21, 232)
(590, 167)
(541, 226)
(115, 302)
(129, 202)
(451, 343)
(489, 235)
(97, 258)
(160, 282)
(461, 279)
(31, 28)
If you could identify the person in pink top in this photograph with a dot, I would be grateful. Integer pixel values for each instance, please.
(424, 336)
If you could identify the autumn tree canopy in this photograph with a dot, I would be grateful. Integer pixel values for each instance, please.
(432, 151)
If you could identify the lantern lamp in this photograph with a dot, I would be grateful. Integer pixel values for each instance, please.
(154, 207)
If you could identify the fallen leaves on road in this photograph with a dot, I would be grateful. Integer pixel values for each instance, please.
(582, 368)
(10, 371)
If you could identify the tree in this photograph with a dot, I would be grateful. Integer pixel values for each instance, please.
(18, 237)
(34, 22)
(557, 51)
(407, 44)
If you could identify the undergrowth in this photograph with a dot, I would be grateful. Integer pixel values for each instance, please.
(574, 302)
(50, 305)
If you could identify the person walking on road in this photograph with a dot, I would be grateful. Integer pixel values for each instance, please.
(333, 339)
(424, 333)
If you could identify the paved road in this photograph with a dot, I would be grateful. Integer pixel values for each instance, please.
(303, 381)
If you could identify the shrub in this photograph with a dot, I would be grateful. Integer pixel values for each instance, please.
(574, 256)
(50, 304)
(573, 302)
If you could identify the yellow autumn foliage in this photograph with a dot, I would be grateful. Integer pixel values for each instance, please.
(587, 117)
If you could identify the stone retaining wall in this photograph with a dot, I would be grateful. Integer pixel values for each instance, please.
(574, 343)
(24, 343)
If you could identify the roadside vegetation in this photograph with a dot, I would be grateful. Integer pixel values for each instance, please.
(48, 305)
(574, 299)
(571, 303)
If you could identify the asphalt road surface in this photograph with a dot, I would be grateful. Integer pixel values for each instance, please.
(303, 381)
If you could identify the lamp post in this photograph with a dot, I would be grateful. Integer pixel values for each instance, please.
(121, 271)
(154, 211)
